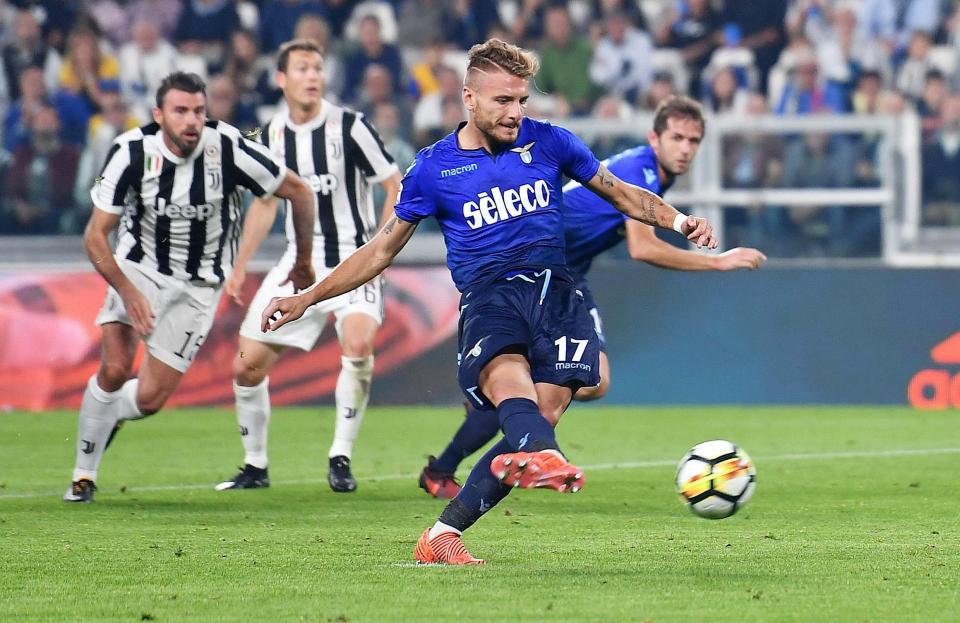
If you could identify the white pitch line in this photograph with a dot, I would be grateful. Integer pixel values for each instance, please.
(818, 456)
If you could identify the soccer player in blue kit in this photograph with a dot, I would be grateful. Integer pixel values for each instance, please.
(527, 341)
(591, 226)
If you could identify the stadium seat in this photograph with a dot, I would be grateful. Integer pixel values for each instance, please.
(670, 61)
(944, 58)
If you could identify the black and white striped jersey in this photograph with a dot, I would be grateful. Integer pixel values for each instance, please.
(181, 216)
(340, 155)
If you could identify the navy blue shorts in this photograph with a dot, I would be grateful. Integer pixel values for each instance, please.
(593, 310)
(536, 312)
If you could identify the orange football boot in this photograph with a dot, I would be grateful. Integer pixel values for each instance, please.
(441, 485)
(531, 470)
(445, 548)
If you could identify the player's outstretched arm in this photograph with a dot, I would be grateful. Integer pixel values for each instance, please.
(256, 225)
(303, 208)
(369, 261)
(644, 206)
(644, 246)
(97, 246)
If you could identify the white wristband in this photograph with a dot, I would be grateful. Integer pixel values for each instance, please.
(678, 222)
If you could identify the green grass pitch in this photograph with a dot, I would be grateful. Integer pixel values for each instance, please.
(856, 518)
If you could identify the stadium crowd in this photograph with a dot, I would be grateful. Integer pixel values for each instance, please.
(76, 73)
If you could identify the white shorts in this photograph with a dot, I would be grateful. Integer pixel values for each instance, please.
(304, 332)
(183, 313)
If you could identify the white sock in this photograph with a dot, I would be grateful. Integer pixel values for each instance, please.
(96, 420)
(253, 416)
(127, 408)
(439, 528)
(353, 394)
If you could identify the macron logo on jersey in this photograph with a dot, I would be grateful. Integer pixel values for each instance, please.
(171, 210)
(457, 170)
(499, 205)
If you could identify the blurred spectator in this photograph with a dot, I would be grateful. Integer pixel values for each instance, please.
(144, 62)
(423, 73)
(205, 27)
(612, 107)
(85, 65)
(315, 28)
(59, 18)
(693, 27)
(527, 25)
(163, 14)
(466, 22)
(111, 20)
(621, 59)
(892, 22)
(28, 49)
(112, 121)
(386, 119)
(223, 104)
(913, 70)
(250, 73)
(803, 94)
(661, 87)
(338, 13)
(843, 52)
(565, 62)
(758, 26)
(72, 112)
(278, 18)
(726, 96)
(419, 21)
(372, 50)
(930, 104)
(808, 163)
(940, 163)
(752, 159)
(377, 88)
(866, 96)
(35, 205)
(600, 9)
(428, 125)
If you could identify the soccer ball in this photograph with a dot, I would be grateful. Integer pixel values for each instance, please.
(715, 479)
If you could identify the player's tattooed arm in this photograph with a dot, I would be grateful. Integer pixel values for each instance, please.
(390, 225)
(367, 262)
(637, 203)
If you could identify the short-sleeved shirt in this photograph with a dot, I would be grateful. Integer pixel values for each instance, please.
(181, 216)
(591, 224)
(497, 211)
(340, 155)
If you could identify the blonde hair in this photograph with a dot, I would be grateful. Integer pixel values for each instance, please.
(494, 54)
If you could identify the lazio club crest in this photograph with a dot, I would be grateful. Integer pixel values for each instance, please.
(525, 156)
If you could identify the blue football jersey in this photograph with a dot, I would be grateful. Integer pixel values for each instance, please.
(591, 224)
(497, 211)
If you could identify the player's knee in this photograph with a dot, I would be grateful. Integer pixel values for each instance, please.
(149, 402)
(246, 374)
(112, 376)
(357, 347)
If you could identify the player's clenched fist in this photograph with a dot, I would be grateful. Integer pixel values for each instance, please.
(697, 229)
(281, 310)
